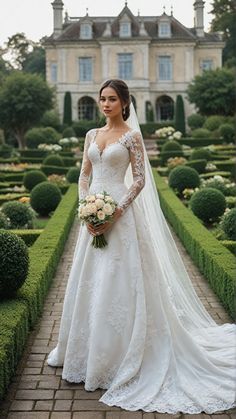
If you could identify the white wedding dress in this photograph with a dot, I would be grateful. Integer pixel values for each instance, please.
(122, 329)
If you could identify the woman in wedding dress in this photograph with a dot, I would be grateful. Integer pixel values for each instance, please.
(132, 323)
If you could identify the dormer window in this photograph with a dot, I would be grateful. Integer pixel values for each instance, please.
(125, 29)
(164, 30)
(86, 31)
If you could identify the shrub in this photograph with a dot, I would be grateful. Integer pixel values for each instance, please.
(4, 222)
(14, 263)
(182, 177)
(45, 197)
(32, 178)
(19, 214)
(201, 133)
(53, 160)
(68, 132)
(213, 122)
(171, 149)
(199, 165)
(51, 119)
(228, 224)
(227, 132)
(200, 153)
(196, 121)
(67, 112)
(221, 185)
(34, 137)
(73, 175)
(208, 204)
(180, 115)
(51, 135)
(81, 127)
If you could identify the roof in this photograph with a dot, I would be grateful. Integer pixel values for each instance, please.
(71, 29)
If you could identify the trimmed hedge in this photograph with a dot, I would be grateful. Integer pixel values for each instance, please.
(54, 170)
(227, 165)
(29, 236)
(212, 258)
(19, 315)
(195, 142)
(6, 197)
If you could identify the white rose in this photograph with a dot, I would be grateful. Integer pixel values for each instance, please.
(109, 199)
(99, 203)
(101, 215)
(84, 212)
(99, 196)
(107, 209)
(90, 198)
(91, 208)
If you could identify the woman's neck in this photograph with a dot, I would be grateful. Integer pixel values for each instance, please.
(115, 124)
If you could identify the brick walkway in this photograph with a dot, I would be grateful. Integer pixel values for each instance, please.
(38, 392)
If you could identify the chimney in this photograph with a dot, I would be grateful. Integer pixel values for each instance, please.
(57, 17)
(199, 17)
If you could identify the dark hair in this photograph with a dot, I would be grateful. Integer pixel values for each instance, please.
(122, 91)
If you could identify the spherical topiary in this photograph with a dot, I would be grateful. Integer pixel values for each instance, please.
(53, 160)
(4, 222)
(196, 121)
(200, 153)
(171, 149)
(68, 132)
(20, 215)
(208, 204)
(14, 263)
(227, 131)
(32, 178)
(45, 197)
(213, 122)
(221, 186)
(182, 177)
(73, 175)
(201, 133)
(229, 224)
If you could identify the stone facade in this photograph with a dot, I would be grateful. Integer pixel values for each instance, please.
(156, 55)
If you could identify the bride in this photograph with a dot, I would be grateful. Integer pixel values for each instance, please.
(132, 323)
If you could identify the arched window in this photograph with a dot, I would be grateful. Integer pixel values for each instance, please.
(164, 108)
(87, 108)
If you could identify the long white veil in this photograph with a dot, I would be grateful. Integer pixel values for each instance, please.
(183, 295)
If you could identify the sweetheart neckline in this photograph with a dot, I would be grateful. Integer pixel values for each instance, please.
(110, 144)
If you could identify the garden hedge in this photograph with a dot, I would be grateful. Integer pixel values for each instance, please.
(29, 236)
(54, 170)
(17, 316)
(216, 262)
(195, 142)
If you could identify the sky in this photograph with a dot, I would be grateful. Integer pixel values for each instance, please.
(35, 17)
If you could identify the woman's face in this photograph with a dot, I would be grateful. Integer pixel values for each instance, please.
(110, 103)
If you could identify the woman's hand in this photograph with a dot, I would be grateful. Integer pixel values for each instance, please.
(103, 228)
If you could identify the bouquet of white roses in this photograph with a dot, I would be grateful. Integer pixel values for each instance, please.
(97, 209)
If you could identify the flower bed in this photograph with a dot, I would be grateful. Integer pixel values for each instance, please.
(19, 315)
(212, 258)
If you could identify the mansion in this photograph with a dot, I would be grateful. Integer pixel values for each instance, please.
(156, 55)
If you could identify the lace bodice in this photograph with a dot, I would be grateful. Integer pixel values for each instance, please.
(108, 167)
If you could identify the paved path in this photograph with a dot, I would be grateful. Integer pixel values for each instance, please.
(38, 392)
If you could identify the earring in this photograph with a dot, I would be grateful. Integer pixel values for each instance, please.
(123, 112)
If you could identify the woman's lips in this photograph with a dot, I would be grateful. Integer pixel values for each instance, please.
(107, 110)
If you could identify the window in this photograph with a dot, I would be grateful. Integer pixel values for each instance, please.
(54, 72)
(87, 109)
(125, 66)
(164, 108)
(164, 30)
(86, 31)
(165, 68)
(125, 29)
(85, 69)
(207, 65)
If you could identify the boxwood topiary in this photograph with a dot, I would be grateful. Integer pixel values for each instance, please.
(170, 149)
(73, 175)
(196, 120)
(4, 222)
(19, 214)
(227, 131)
(32, 178)
(14, 263)
(229, 224)
(45, 197)
(200, 153)
(53, 160)
(201, 133)
(208, 204)
(68, 132)
(182, 177)
(199, 165)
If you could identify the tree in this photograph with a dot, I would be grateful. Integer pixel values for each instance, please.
(23, 100)
(213, 93)
(180, 115)
(19, 47)
(224, 20)
(67, 114)
(35, 61)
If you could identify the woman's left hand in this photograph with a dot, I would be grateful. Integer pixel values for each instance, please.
(103, 228)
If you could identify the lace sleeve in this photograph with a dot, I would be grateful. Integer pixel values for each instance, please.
(85, 172)
(138, 170)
